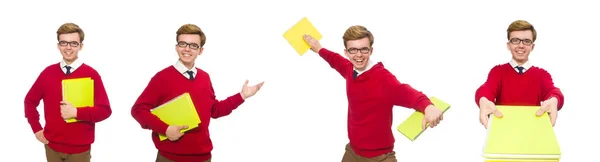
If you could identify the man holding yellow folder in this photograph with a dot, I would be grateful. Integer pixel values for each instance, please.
(518, 82)
(372, 93)
(184, 79)
(74, 100)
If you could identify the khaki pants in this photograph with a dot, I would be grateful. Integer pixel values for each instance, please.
(351, 156)
(53, 156)
(160, 158)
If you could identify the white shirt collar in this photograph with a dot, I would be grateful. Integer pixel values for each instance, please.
(74, 65)
(514, 64)
(183, 70)
(370, 64)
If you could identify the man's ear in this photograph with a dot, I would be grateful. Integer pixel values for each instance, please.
(371, 52)
(200, 50)
(532, 45)
(80, 46)
(346, 53)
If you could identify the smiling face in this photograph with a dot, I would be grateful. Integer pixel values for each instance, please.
(520, 45)
(358, 52)
(70, 41)
(69, 46)
(359, 46)
(188, 48)
(190, 42)
(521, 40)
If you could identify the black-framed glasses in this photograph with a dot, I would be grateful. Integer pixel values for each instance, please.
(364, 50)
(516, 41)
(65, 43)
(183, 44)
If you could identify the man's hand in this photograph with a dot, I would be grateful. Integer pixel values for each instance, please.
(314, 44)
(67, 111)
(487, 107)
(433, 116)
(40, 137)
(551, 107)
(249, 91)
(174, 132)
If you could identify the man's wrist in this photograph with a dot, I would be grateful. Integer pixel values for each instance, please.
(244, 97)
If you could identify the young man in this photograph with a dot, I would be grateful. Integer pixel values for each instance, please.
(518, 82)
(372, 93)
(175, 80)
(66, 142)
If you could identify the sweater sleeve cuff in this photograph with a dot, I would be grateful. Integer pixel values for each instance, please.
(35, 125)
(478, 98)
(422, 105)
(550, 96)
(161, 129)
(323, 51)
(237, 99)
(82, 114)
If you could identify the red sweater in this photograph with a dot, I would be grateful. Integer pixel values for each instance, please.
(507, 87)
(195, 144)
(70, 138)
(371, 97)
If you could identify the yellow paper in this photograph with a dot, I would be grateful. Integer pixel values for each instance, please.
(295, 35)
(411, 128)
(79, 92)
(178, 111)
(520, 134)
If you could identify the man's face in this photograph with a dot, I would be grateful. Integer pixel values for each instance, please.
(188, 48)
(520, 44)
(69, 46)
(359, 51)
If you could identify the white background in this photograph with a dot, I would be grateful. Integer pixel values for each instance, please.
(443, 48)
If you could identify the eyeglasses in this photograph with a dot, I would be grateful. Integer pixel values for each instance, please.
(364, 50)
(183, 44)
(65, 43)
(516, 41)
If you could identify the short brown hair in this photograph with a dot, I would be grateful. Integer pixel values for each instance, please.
(68, 28)
(191, 29)
(357, 32)
(520, 25)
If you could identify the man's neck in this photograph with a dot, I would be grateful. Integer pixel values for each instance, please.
(69, 62)
(521, 62)
(188, 66)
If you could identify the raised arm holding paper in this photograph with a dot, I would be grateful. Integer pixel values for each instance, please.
(370, 112)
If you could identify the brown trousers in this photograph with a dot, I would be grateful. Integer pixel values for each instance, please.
(351, 156)
(53, 156)
(160, 158)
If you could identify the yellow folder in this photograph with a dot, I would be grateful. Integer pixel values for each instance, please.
(411, 128)
(178, 111)
(295, 35)
(520, 134)
(79, 92)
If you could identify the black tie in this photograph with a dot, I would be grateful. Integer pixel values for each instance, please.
(68, 69)
(191, 73)
(355, 74)
(520, 68)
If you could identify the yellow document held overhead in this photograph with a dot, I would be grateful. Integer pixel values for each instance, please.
(520, 134)
(79, 92)
(295, 35)
(178, 111)
(412, 127)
